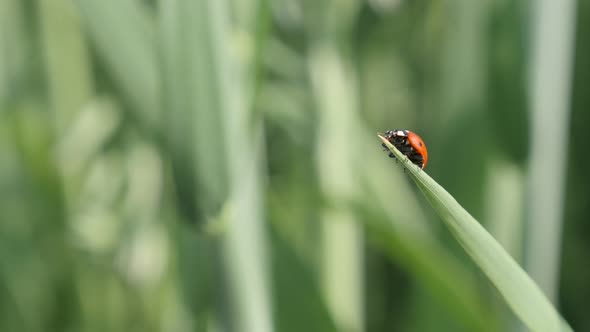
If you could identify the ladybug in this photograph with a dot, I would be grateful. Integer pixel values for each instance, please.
(408, 143)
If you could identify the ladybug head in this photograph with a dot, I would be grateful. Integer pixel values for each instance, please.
(388, 134)
(395, 133)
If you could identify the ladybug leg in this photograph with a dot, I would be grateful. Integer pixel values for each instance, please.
(391, 155)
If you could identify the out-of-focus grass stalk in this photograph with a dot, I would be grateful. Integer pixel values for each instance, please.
(334, 85)
(210, 124)
(70, 83)
(12, 46)
(244, 243)
(67, 61)
(549, 87)
(191, 102)
(504, 205)
(504, 212)
(464, 55)
(4, 9)
(342, 278)
(71, 87)
(123, 34)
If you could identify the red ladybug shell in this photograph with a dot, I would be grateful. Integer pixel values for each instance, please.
(410, 144)
(418, 144)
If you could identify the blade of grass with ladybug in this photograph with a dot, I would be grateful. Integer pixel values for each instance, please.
(521, 293)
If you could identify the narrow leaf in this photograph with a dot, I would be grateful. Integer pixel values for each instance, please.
(122, 33)
(520, 292)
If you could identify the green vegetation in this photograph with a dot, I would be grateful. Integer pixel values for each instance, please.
(211, 165)
(519, 291)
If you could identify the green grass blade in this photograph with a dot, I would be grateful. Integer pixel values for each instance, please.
(243, 243)
(331, 76)
(192, 102)
(552, 56)
(520, 292)
(122, 33)
(67, 61)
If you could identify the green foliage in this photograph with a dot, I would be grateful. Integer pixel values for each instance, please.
(520, 292)
(210, 165)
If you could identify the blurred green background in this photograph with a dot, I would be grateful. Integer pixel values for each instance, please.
(212, 165)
